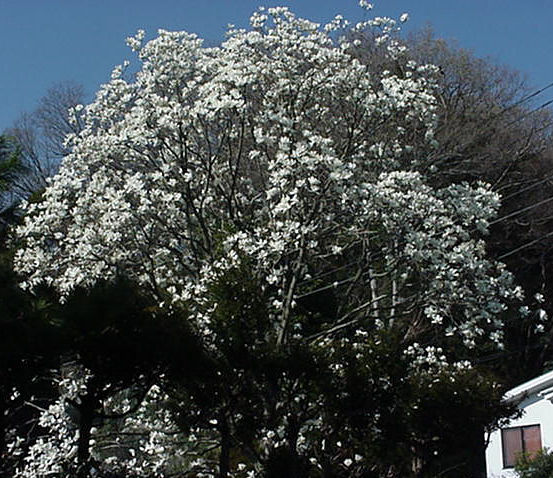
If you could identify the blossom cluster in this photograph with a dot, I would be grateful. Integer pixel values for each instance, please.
(281, 156)
(278, 148)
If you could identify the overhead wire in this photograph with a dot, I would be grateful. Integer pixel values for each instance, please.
(526, 98)
(549, 177)
(520, 211)
(527, 188)
(532, 186)
(511, 107)
(524, 246)
(528, 113)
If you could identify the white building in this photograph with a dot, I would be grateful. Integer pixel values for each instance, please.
(529, 433)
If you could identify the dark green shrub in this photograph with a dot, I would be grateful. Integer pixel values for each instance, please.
(538, 466)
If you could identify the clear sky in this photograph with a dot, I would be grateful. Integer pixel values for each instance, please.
(43, 42)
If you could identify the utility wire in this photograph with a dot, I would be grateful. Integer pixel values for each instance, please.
(526, 98)
(509, 108)
(528, 113)
(526, 208)
(520, 211)
(527, 188)
(524, 246)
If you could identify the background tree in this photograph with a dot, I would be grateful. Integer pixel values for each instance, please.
(30, 152)
(27, 344)
(10, 170)
(40, 135)
(493, 126)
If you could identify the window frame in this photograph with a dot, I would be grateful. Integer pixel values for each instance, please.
(523, 444)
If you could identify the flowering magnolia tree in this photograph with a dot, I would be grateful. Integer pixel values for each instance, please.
(270, 190)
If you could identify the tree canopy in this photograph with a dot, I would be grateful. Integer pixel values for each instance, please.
(276, 205)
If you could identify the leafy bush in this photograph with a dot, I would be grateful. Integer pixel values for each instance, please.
(538, 466)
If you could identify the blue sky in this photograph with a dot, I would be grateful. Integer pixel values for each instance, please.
(43, 42)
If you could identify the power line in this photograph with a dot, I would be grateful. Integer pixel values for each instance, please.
(520, 211)
(524, 246)
(509, 108)
(528, 113)
(526, 98)
(528, 188)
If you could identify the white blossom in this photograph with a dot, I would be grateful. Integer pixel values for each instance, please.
(280, 157)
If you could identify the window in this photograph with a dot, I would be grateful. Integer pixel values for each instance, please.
(519, 440)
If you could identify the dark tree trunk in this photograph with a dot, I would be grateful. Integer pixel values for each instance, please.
(478, 461)
(224, 456)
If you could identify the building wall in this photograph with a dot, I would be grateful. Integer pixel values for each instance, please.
(536, 411)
